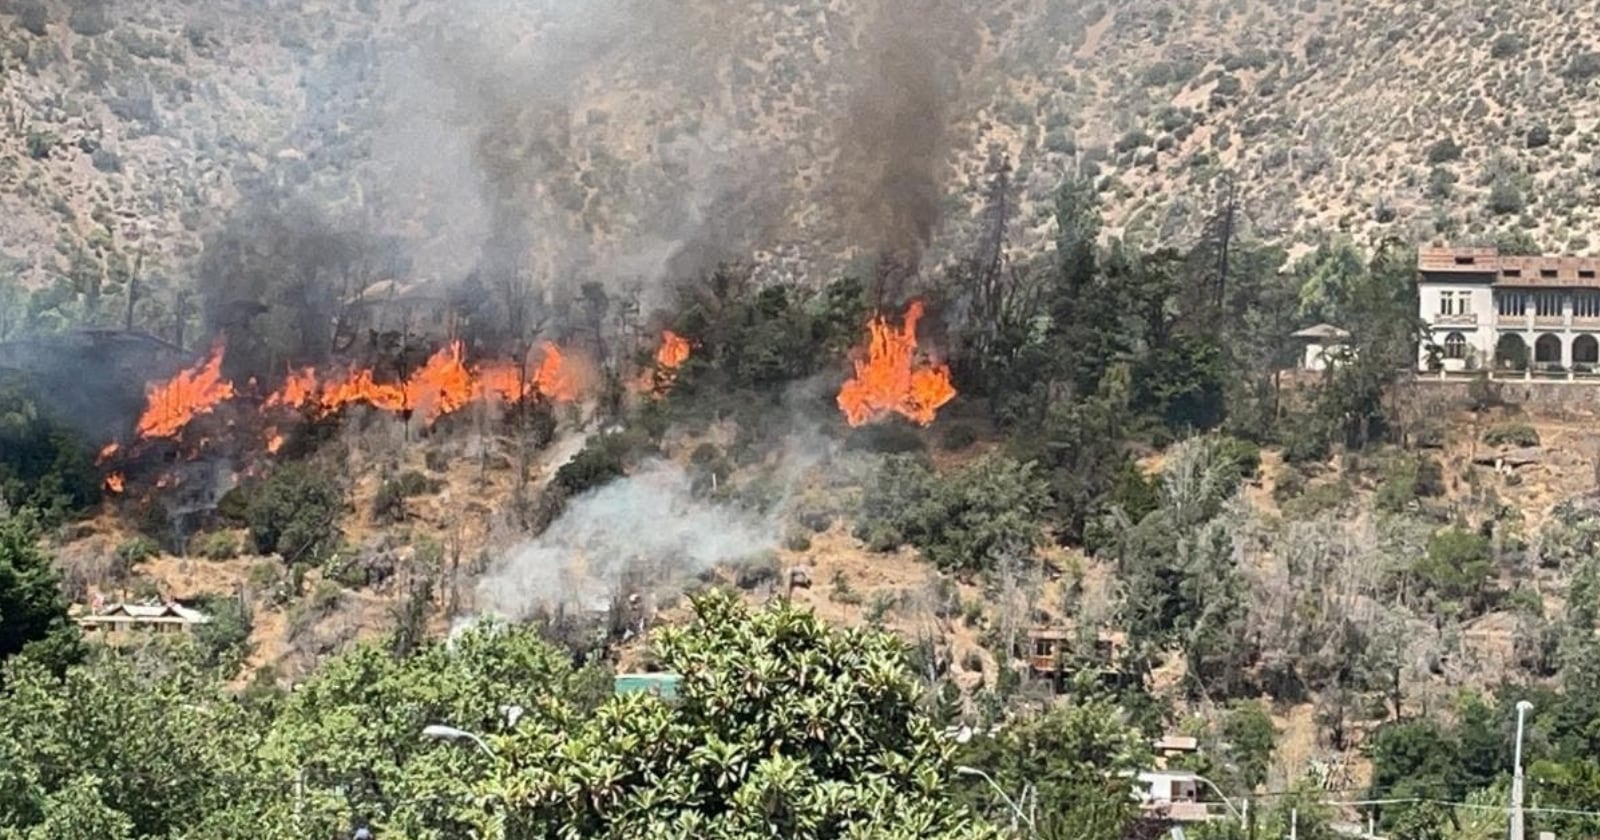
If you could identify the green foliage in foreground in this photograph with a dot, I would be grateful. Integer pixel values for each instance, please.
(784, 727)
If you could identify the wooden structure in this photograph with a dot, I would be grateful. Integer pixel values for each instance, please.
(1056, 653)
(115, 620)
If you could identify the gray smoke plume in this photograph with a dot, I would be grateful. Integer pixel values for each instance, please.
(895, 143)
(649, 523)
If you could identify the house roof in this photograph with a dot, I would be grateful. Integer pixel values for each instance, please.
(1176, 743)
(1512, 271)
(148, 612)
(1324, 331)
(1168, 775)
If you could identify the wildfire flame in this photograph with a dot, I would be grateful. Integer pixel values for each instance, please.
(115, 482)
(173, 404)
(891, 379)
(108, 452)
(674, 351)
(670, 356)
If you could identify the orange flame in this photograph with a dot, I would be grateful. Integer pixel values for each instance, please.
(670, 356)
(108, 452)
(172, 404)
(274, 440)
(674, 351)
(890, 379)
(115, 482)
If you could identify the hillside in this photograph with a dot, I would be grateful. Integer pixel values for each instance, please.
(135, 127)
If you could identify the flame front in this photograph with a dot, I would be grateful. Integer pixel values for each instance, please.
(891, 379)
(171, 405)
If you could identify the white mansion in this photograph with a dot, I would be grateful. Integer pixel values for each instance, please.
(1486, 311)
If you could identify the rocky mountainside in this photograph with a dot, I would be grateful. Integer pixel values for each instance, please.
(615, 138)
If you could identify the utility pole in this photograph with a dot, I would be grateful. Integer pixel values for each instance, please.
(1516, 777)
(1294, 824)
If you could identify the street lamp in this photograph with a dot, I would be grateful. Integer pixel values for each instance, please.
(1523, 707)
(450, 733)
(1016, 810)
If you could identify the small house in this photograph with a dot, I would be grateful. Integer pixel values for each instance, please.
(117, 620)
(1322, 346)
(1171, 795)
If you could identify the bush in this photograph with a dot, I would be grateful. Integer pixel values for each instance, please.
(224, 640)
(1512, 434)
(1444, 150)
(1407, 479)
(134, 551)
(1456, 566)
(1505, 199)
(958, 437)
(1583, 67)
(757, 570)
(33, 16)
(964, 521)
(90, 18)
(601, 460)
(217, 545)
(1506, 45)
(295, 513)
(797, 540)
(1538, 136)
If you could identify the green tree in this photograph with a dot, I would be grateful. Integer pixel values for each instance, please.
(295, 512)
(966, 521)
(33, 612)
(783, 726)
(1076, 757)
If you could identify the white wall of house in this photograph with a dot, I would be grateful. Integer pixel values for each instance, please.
(1464, 308)
(1320, 356)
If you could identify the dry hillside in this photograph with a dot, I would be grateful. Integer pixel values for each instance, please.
(134, 127)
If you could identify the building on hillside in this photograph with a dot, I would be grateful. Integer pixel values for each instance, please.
(1324, 345)
(111, 621)
(1171, 796)
(1484, 311)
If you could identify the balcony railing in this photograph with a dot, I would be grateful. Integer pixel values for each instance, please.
(1468, 319)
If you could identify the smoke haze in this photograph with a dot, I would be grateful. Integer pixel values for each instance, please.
(649, 523)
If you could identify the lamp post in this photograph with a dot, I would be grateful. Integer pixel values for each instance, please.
(1016, 810)
(450, 733)
(1523, 707)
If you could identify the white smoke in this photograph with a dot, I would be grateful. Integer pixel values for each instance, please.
(650, 523)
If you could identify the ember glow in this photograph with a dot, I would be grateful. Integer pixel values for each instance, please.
(115, 483)
(891, 378)
(171, 405)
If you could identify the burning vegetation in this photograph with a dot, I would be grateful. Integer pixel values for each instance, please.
(893, 376)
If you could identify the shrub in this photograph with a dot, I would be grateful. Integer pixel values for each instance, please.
(1538, 136)
(90, 18)
(1407, 479)
(962, 521)
(797, 540)
(33, 16)
(1444, 150)
(40, 143)
(1505, 199)
(295, 513)
(217, 545)
(134, 551)
(224, 640)
(1506, 45)
(600, 461)
(1512, 434)
(1456, 566)
(757, 570)
(413, 483)
(1583, 67)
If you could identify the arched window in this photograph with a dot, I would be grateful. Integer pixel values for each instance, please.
(1455, 346)
(1547, 350)
(1585, 350)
